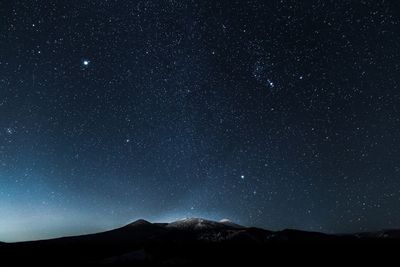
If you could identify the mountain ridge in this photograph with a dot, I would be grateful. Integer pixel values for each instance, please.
(142, 242)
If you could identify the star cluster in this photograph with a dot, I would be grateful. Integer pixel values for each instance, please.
(279, 114)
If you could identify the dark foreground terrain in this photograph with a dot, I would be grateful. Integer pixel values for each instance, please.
(198, 242)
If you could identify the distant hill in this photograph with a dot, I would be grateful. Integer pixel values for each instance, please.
(193, 242)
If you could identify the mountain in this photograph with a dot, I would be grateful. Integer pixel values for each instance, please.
(201, 224)
(193, 241)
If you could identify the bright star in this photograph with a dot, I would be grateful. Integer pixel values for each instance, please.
(242, 177)
(271, 83)
(86, 62)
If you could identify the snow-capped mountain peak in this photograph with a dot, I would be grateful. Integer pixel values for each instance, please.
(201, 224)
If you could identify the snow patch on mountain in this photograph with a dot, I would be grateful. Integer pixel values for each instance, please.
(229, 223)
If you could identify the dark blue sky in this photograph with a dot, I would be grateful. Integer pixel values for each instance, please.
(271, 113)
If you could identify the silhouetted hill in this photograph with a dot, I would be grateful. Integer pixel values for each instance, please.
(191, 242)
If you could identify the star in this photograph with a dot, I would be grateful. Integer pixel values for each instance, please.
(9, 131)
(271, 83)
(86, 62)
(242, 177)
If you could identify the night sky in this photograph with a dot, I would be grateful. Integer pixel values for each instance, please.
(277, 114)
